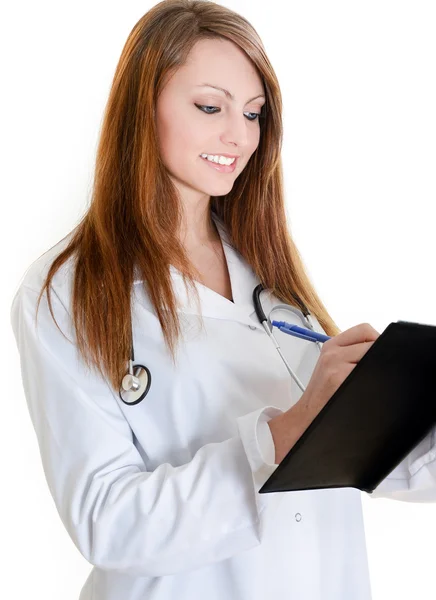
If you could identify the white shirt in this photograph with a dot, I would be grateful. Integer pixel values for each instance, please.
(162, 497)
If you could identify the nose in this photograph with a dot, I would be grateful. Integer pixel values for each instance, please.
(236, 131)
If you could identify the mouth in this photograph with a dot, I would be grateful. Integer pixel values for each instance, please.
(221, 168)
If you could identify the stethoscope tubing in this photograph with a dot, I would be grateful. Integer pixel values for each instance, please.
(137, 381)
(307, 334)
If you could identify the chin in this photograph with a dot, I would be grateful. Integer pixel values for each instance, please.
(218, 190)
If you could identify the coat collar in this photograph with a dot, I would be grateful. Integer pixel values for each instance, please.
(213, 305)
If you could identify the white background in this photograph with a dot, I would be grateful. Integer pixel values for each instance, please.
(359, 90)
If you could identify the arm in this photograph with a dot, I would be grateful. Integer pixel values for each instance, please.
(287, 428)
(414, 479)
(119, 515)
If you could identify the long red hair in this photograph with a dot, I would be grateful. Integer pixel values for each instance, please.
(128, 224)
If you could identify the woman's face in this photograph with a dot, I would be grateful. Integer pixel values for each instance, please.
(186, 130)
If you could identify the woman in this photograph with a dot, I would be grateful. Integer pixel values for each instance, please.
(161, 496)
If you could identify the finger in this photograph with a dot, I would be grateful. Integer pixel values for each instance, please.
(355, 335)
(355, 353)
(341, 355)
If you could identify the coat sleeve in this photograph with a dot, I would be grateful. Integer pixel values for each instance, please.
(265, 441)
(120, 516)
(414, 479)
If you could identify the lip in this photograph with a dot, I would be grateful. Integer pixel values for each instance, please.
(221, 154)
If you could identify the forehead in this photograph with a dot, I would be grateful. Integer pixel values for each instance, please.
(220, 62)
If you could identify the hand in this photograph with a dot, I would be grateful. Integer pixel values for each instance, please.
(339, 356)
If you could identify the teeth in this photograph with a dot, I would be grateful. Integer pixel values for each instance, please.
(216, 158)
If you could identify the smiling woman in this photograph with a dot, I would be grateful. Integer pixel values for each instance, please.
(161, 495)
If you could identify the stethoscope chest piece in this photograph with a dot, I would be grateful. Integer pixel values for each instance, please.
(135, 385)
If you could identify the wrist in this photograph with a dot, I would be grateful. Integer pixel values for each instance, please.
(287, 428)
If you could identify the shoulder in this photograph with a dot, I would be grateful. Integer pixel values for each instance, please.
(33, 279)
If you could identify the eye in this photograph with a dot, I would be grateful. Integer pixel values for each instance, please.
(255, 116)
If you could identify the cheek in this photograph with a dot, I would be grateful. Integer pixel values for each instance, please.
(256, 138)
(179, 139)
(252, 146)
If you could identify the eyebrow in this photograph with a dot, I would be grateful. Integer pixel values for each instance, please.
(227, 93)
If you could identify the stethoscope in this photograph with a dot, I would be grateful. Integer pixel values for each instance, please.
(294, 330)
(137, 381)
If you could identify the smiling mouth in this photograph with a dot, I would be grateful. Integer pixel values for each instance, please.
(220, 167)
(234, 158)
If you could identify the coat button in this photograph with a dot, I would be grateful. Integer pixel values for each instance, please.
(252, 326)
(298, 517)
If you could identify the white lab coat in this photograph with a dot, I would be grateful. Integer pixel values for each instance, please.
(161, 497)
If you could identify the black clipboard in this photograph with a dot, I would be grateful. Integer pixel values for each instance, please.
(379, 414)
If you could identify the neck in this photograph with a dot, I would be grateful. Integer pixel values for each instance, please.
(198, 229)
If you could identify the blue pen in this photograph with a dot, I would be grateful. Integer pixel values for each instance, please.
(300, 332)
